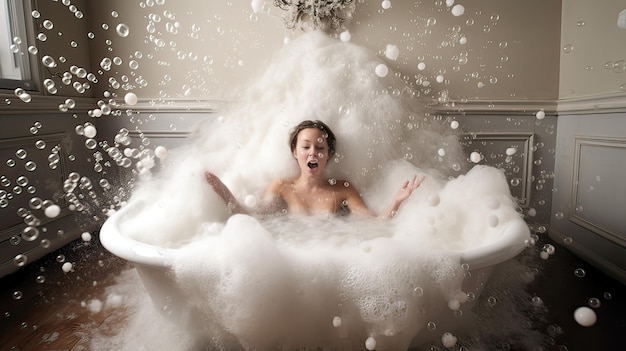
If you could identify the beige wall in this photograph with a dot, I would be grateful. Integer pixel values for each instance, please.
(512, 46)
(593, 39)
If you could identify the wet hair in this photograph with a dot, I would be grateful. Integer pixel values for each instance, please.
(330, 137)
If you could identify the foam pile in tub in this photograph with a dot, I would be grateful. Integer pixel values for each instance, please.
(290, 281)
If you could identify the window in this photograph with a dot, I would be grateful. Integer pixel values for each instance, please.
(15, 54)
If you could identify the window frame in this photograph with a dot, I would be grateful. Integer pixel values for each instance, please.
(21, 24)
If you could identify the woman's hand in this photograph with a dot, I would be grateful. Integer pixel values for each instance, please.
(408, 187)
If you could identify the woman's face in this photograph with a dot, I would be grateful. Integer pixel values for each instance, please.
(311, 151)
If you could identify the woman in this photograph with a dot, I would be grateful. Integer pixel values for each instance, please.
(312, 145)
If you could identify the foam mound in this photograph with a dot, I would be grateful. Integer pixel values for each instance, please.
(295, 282)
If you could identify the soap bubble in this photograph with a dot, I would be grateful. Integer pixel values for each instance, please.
(90, 131)
(130, 99)
(66, 267)
(86, 236)
(458, 10)
(52, 211)
(370, 343)
(345, 36)
(475, 157)
(594, 302)
(540, 114)
(392, 52)
(30, 233)
(585, 316)
(448, 340)
(382, 70)
(122, 30)
(20, 260)
(48, 61)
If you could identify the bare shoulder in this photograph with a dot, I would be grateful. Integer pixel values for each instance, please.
(278, 186)
(346, 189)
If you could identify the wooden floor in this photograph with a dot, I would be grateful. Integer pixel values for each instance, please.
(55, 315)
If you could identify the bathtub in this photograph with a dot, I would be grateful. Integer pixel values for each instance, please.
(154, 267)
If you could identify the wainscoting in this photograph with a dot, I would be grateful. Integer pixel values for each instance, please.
(589, 203)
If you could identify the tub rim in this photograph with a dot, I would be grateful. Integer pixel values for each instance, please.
(511, 242)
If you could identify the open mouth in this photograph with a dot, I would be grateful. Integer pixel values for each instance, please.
(312, 164)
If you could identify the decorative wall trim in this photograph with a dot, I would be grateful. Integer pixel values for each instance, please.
(47, 104)
(62, 170)
(156, 134)
(494, 107)
(598, 228)
(527, 140)
(605, 103)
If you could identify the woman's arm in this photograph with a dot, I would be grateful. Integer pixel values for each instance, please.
(405, 191)
(271, 202)
(356, 205)
(222, 190)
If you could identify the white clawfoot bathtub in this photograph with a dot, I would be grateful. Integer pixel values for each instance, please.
(154, 265)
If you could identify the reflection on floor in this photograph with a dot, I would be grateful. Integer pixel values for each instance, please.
(62, 311)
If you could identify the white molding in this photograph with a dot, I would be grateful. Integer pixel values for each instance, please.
(493, 107)
(596, 228)
(605, 103)
(528, 140)
(11, 104)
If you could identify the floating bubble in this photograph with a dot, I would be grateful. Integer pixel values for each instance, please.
(370, 343)
(392, 52)
(540, 114)
(17, 295)
(345, 36)
(90, 131)
(454, 304)
(458, 10)
(475, 157)
(48, 24)
(48, 61)
(30, 166)
(86, 236)
(536, 301)
(594, 302)
(454, 124)
(585, 316)
(568, 48)
(421, 66)
(511, 151)
(250, 200)
(568, 241)
(441, 152)
(448, 340)
(580, 273)
(122, 30)
(337, 322)
(66, 267)
(30, 233)
(40, 279)
(130, 99)
(52, 211)
(20, 260)
(381, 70)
